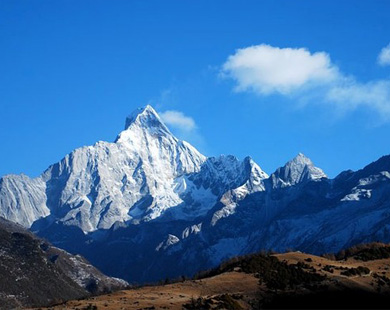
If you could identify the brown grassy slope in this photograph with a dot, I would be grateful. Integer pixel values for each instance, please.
(245, 292)
(172, 296)
(369, 282)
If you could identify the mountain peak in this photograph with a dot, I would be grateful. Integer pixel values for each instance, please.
(146, 117)
(143, 121)
(297, 170)
(300, 159)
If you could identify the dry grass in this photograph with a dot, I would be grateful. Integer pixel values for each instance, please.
(246, 286)
(172, 296)
(366, 282)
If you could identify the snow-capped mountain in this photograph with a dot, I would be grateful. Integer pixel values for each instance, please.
(148, 205)
(145, 172)
(132, 179)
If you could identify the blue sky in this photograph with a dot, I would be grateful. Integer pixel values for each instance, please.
(266, 79)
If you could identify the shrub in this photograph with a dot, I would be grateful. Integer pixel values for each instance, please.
(356, 271)
(199, 303)
(366, 252)
(276, 275)
(227, 302)
(328, 268)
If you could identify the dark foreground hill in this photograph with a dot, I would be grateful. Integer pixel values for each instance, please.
(294, 280)
(34, 273)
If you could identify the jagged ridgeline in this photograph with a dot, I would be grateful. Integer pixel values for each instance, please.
(149, 206)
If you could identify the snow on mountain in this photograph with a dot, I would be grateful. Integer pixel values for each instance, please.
(223, 173)
(223, 179)
(22, 199)
(153, 202)
(297, 170)
(145, 172)
(132, 179)
(170, 240)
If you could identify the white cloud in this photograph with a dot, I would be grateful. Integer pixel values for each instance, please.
(184, 127)
(374, 95)
(384, 56)
(265, 69)
(178, 120)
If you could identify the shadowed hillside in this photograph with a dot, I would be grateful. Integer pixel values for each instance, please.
(34, 273)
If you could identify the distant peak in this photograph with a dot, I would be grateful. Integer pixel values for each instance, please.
(300, 159)
(297, 170)
(299, 163)
(301, 156)
(146, 115)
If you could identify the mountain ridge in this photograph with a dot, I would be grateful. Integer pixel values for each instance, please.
(142, 125)
(155, 203)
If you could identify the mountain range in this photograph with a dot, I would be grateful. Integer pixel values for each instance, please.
(149, 206)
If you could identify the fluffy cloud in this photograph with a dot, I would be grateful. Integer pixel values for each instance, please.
(178, 120)
(184, 127)
(384, 56)
(265, 69)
